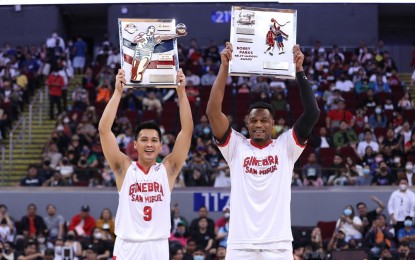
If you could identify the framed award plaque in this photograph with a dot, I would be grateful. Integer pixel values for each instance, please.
(263, 40)
(148, 49)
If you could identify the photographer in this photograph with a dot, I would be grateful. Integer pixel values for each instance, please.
(338, 241)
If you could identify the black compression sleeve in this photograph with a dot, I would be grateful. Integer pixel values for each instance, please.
(307, 120)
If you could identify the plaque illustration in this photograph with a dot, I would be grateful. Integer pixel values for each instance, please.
(149, 51)
(275, 34)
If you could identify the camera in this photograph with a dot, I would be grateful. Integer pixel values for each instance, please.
(67, 253)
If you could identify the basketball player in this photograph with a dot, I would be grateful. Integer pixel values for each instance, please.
(146, 42)
(261, 169)
(142, 223)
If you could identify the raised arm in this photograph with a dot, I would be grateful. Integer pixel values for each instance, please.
(218, 121)
(118, 161)
(175, 160)
(307, 120)
(381, 205)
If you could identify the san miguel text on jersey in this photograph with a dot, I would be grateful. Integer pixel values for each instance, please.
(260, 166)
(145, 192)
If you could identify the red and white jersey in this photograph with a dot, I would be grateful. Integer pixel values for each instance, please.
(144, 204)
(261, 190)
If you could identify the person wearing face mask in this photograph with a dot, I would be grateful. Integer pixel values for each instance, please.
(408, 173)
(351, 224)
(378, 119)
(407, 234)
(367, 177)
(102, 246)
(401, 204)
(72, 242)
(199, 254)
(221, 222)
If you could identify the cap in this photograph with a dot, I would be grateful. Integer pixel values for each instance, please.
(342, 230)
(92, 247)
(85, 208)
(181, 223)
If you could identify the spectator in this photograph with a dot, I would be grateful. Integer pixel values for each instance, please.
(202, 235)
(53, 153)
(363, 85)
(195, 79)
(368, 141)
(181, 234)
(113, 60)
(79, 55)
(74, 244)
(401, 204)
(345, 136)
(405, 103)
(151, 102)
(82, 223)
(406, 235)
(30, 252)
(370, 101)
(103, 91)
(32, 225)
(100, 242)
(55, 82)
(66, 171)
(54, 223)
(203, 213)
(190, 249)
(367, 217)
(32, 179)
(311, 172)
(351, 224)
(383, 175)
(91, 252)
(344, 84)
(378, 119)
(408, 173)
(8, 253)
(338, 241)
(199, 171)
(7, 229)
(367, 177)
(380, 235)
(380, 86)
(106, 223)
(335, 116)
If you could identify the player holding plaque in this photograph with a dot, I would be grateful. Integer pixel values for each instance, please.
(154, 48)
(255, 32)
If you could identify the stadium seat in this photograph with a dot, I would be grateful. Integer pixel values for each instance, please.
(327, 229)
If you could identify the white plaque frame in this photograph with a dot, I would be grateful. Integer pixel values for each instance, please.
(163, 65)
(256, 50)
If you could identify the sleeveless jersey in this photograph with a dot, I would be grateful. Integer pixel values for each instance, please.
(144, 204)
(260, 216)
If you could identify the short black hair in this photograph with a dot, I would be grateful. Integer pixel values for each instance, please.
(147, 125)
(262, 105)
(360, 203)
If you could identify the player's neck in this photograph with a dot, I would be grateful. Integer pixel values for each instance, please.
(145, 166)
(261, 144)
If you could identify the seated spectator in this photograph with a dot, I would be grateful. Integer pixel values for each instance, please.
(74, 244)
(54, 223)
(383, 175)
(342, 177)
(82, 223)
(151, 102)
(4, 122)
(311, 172)
(106, 224)
(335, 116)
(338, 241)
(333, 100)
(32, 225)
(407, 234)
(32, 179)
(351, 224)
(181, 234)
(195, 79)
(202, 235)
(366, 178)
(363, 85)
(30, 252)
(193, 94)
(199, 171)
(368, 141)
(344, 84)
(7, 229)
(53, 153)
(123, 139)
(408, 173)
(378, 119)
(208, 78)
(345, 136)
(370, 101)
(55, 181)
(66, 170)
(322, 139)
(101, 243)
(380, 235)
(405, 103)
(203, 213)
(380, 86)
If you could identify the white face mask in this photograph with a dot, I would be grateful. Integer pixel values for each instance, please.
(227, 215)
(402, 187)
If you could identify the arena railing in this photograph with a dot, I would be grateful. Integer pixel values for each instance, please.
(39, 104)
(21, 125)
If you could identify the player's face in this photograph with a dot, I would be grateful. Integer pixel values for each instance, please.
(148, 145)
(260, 125)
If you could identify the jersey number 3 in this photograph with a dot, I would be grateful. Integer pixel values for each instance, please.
(148, 213)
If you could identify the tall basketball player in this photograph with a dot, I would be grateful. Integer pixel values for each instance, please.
(142, 223)
(261, 169)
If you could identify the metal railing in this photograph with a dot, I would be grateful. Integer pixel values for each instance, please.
(39, 109)
(20, 138)
(3, 158)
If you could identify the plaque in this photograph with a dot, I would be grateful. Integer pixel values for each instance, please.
(262, 40)
(148, 49)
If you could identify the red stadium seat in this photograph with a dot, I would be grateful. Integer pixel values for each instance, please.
(327, 229)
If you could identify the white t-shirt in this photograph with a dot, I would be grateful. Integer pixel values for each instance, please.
(261, 190)
(144, 204)
(349, 229)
